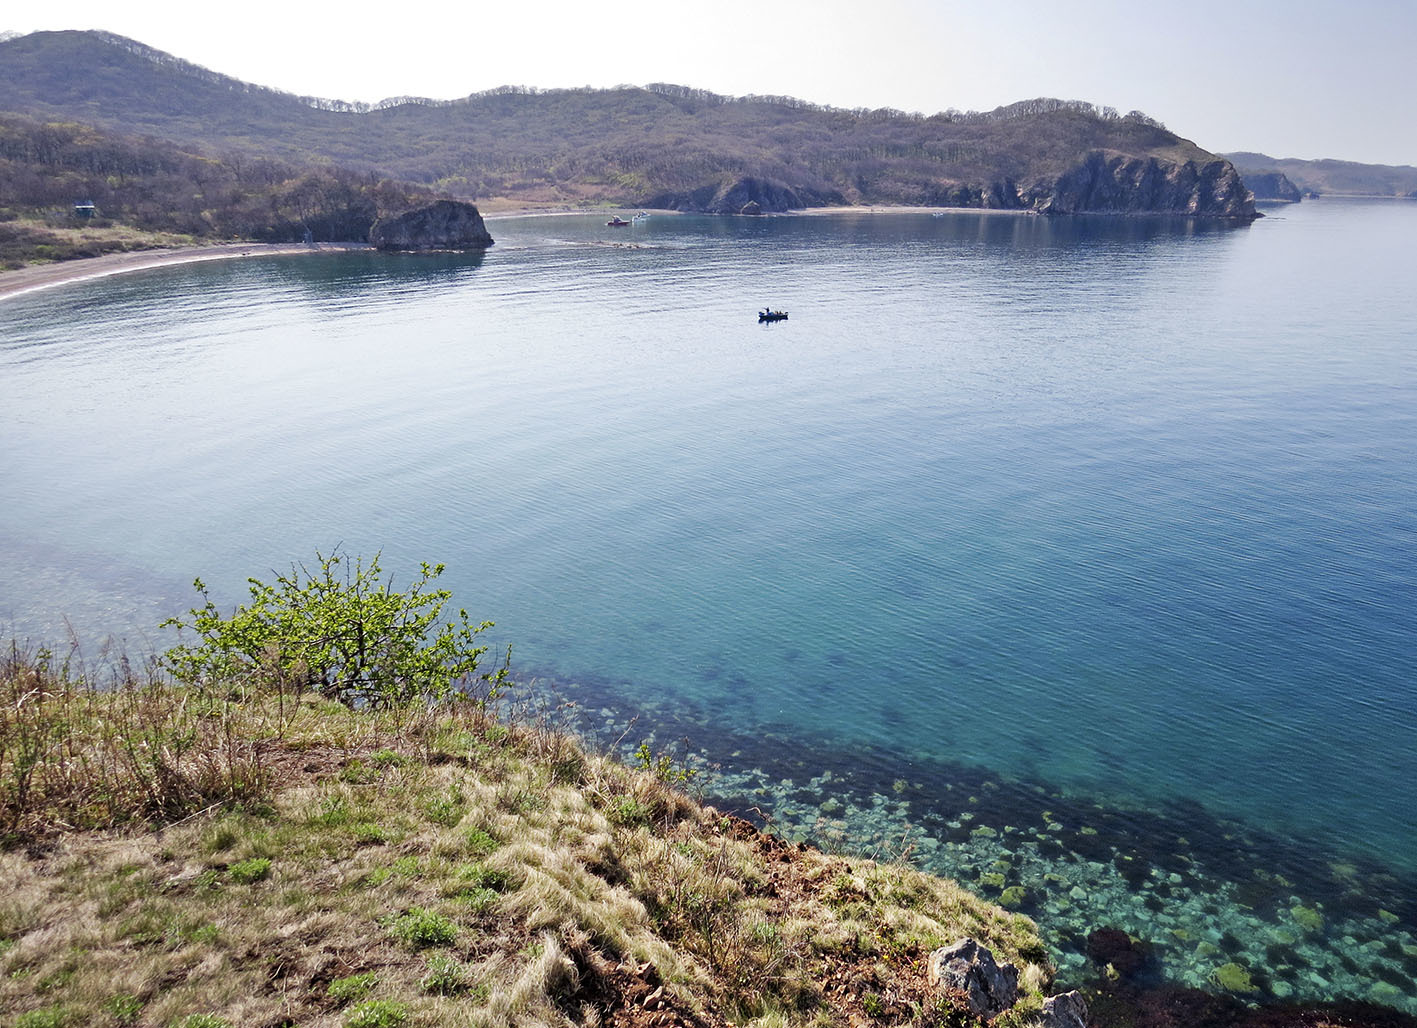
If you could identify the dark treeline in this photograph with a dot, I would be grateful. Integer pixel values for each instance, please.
(47, 167)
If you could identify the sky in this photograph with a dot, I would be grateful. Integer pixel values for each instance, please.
(1302, 78)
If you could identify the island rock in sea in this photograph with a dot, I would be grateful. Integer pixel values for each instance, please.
(444, 225)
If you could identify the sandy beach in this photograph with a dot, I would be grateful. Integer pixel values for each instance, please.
(45, 276)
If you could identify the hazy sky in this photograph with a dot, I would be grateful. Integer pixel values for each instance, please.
(1302, 78)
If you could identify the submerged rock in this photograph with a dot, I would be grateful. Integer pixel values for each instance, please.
(1128, 958)
(1233, 978)
(990, 988)
(445, 225)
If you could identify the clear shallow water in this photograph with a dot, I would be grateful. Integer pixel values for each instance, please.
(1098, 524)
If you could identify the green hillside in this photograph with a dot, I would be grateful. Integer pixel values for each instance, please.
(662, 145)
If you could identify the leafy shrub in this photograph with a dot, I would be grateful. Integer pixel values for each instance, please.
(377, 1013)
(662, 766)
(422, 928)
(349, 635)
(445, 976)
(629, 812)
(356, 986)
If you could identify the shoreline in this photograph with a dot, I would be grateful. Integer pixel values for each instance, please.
(36, 277)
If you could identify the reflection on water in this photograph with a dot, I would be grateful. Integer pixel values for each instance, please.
(1114, 514)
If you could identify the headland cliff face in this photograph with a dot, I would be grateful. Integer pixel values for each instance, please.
(1102, 182)
(444, 225)
(1114, 183)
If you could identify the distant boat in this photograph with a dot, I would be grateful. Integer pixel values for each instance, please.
(770, 315)
(641, 216)
(618, 222)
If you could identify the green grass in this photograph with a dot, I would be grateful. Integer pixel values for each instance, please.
(353, 987)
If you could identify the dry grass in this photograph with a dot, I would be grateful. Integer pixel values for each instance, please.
(38, 240)
(305, 864)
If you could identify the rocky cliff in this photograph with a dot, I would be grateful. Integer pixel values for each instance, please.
(1114, 183)
(750, 194)
(1272, 185)
(1103, 182)
(444, 225)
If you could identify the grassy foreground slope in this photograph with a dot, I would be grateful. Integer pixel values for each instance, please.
(251, 853)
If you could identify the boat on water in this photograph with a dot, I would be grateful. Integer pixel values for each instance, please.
(618, 222)
(771, 315)
(640, 216)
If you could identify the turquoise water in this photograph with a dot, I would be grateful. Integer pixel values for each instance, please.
(1095, 534)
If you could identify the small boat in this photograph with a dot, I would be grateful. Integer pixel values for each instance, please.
(771, 315)
(641, 216)
(618, 222)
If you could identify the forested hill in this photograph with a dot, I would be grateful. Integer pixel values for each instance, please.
(665, 146)
(1334, 178)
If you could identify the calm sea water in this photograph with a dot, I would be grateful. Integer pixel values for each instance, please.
(1096, 535)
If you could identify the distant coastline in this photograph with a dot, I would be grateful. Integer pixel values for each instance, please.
(34, 277)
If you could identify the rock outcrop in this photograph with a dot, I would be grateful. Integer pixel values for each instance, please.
(1272, 185)
(988, 987)
(732, 196)
(1066, 1011)
(1113, 183)
(444, 225)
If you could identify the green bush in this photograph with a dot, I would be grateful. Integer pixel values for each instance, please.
(445, 976)
(377, 1013)
(421, 929)
(347, 634)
